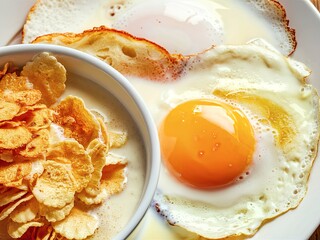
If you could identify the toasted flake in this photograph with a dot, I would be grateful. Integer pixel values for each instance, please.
(98, 152)
(104, 132)
(55, 187)
(97, 199)
(117, 139)
(47, 75)
(19, 184)
(77, 225)
(38, 145)
(16, 230)
(55, 214)
(11, 172)
(25, 212)
(11, 195)
(24, 97)
(29, 109)
(112, 181)
(12, 206)
(114, 178)
(41, 118)
(78, 122)
(13, 83)
(70, 151)
(8, 110)
(11, 138)
(6, 155)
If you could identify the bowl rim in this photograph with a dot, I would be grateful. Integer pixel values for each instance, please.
(155, 160)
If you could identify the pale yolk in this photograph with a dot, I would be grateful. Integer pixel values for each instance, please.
(206, 143)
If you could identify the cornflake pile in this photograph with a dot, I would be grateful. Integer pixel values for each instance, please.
(55, 163)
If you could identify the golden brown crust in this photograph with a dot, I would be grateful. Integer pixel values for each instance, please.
(290, 31)
(128, 54)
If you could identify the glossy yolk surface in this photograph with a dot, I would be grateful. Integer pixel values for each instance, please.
(206, 143)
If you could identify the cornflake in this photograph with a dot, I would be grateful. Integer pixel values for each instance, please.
(11, 195)
(11, 172)
(47, 75)
(25, 212)
(12, 137)
(24, 97)
(78, 122)
(77, 225)
(8, 110)
(76, 159)
(55, 187)
(9, 208)
(55, 214)
(98, 152)
(16, 230)
(54, 155)
(11, 82)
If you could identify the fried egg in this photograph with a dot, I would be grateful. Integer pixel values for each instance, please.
(239, 133)
(180, 26)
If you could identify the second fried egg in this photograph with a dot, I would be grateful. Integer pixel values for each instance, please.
(180, 26)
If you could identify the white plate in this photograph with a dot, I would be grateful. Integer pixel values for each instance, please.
(305, 19)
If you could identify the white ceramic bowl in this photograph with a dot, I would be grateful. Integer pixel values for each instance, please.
(99, 72)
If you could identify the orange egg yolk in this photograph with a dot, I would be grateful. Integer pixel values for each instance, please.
(206, 143)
